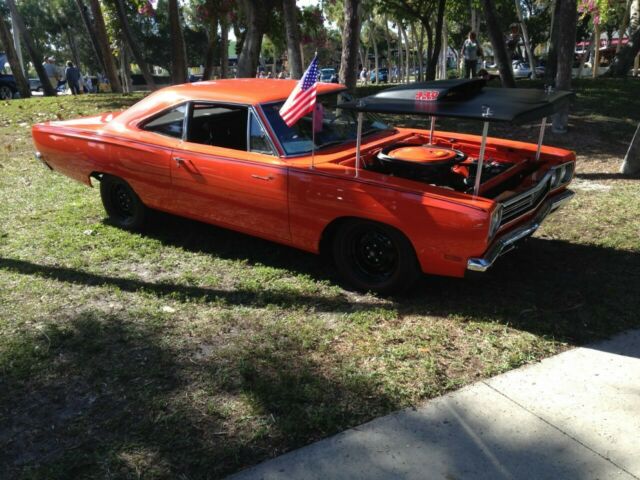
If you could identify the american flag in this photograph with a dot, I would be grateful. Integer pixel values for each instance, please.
(303, 98)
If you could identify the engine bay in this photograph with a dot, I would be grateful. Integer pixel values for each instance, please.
(447, 164)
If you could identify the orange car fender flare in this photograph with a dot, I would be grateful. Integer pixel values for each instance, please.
(330, 229)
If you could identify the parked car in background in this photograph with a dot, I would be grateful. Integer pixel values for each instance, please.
(381, 77)
(523, 70)
(35, 85)
(328, 75)
(8, 87)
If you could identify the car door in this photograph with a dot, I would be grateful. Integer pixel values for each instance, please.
(144, 160)
(226, 172)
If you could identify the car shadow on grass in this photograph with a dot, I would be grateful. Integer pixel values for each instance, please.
(571, 292)
(100, 395)
(568, 292)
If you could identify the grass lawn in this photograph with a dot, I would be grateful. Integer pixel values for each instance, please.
(192, 352)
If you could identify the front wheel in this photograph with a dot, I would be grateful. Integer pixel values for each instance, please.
(124, 207)
(374, 257)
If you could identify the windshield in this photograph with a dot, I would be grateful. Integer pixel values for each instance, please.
(333, 125)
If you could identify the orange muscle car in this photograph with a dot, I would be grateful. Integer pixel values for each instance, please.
(387, 203)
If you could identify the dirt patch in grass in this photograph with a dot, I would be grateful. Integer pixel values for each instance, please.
(192, 351)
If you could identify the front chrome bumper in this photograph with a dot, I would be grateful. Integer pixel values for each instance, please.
(505, 243)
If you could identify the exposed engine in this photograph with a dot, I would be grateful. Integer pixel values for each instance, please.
(435, 165)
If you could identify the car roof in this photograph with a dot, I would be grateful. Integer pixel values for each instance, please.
(243, 90)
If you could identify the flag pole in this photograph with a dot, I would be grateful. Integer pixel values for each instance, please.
(313, 126)
(313, 137)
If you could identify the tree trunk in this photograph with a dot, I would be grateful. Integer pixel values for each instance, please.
(623, 61)
(350, 44)
(631, 163)
(7, 42)
(527, 44)
(437, 43)
(407, 52)
(257, 17)
(552, 51)
(595, 61)
(290, 14)
(387, 36)
(88, 24)
(36, 57)
(132, 43)
(207, 74)
(625, 25)
(443, 54)
(103, 42)
(498, 45)
(566, 47)
(376, 58)
(224, 45)
(400, 61)
(125, 70)
(419, 46)
(178, 51)
(72, 46)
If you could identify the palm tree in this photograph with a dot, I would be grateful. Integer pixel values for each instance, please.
(132, 43)
(224, 45)
(91, 31)
(178, 50)
(566, 42)
(498, 45)
(103, 43)
(290, 14)
(624, 58)
(7, 41)
(34, 54)
(350, 44)
(256, 13)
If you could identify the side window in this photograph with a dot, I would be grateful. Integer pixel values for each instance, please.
(258, 140)
(218, 125)
(169, 123)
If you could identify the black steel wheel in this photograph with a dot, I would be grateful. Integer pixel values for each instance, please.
(124, 207)
(374, 257)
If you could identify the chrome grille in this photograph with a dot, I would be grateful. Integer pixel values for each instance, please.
(526, 201)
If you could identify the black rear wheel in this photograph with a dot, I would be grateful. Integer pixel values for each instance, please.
(124, 207)
(374, 257)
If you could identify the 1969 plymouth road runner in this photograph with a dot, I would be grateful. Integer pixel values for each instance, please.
(386, 203)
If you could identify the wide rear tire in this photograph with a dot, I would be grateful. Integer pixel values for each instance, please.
(374, 257)
(122, 204)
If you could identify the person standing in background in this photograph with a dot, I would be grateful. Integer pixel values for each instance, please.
(72, 74)
(52, 72)
(471, 51)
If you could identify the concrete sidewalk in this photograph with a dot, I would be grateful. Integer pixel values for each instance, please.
(572, 416)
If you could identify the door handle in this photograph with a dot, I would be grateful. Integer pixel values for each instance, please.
(262, 177)
(179, 161)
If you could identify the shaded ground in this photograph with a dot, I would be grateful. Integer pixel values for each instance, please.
(194, 351)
